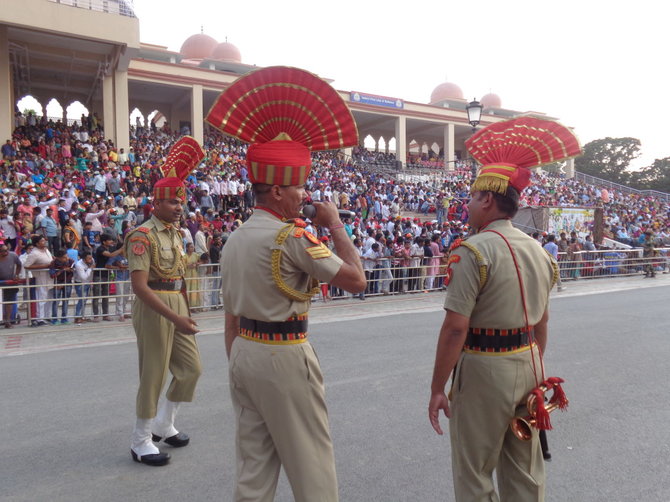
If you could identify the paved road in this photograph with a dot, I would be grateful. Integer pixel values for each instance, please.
(66, 414)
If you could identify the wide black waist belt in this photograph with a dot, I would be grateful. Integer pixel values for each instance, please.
(166, 285)
(498, 340)
(293, 330)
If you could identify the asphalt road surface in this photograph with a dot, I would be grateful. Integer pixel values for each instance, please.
(66, 415)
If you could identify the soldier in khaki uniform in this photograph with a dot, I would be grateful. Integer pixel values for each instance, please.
(271, 267)
(161, 317)
(495, 329)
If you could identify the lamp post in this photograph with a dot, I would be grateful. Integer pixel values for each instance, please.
(474, 109)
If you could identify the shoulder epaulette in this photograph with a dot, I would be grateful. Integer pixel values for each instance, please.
(144, 230)
(298, 222)
(479, 258)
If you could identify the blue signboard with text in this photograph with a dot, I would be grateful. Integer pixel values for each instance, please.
(371, 99)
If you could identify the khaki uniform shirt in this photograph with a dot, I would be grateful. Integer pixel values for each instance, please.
(247, 285)
(170, 253)
(483, 281)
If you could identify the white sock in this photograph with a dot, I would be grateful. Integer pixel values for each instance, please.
(141, 443)
(164, 423)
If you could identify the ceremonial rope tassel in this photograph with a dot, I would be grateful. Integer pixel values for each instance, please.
(542, 420)
(559, 398)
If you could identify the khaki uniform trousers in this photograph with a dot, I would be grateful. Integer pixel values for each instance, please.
(279, 400)
(160, 348)
(489, 390)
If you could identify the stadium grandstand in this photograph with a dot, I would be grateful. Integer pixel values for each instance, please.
(72, 181)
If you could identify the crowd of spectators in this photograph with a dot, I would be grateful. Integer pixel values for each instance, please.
(68, 198)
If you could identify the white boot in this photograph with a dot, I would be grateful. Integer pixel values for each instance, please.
(141, 443)
(164, 422)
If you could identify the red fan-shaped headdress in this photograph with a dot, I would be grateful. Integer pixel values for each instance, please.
(284, 113)
(508, 150)
(183, 157)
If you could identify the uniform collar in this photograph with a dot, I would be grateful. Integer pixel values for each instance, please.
(500, 222)
(160, 224)
(270, 211)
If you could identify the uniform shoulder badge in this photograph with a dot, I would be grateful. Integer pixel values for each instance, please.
(298, 232)
(319, 251)
(298, 222)
(144, 230)
(455, 244)
(312, 238)
(139, 248)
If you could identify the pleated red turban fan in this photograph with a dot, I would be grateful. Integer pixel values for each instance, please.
(508, 150)
(285, 113)
(183, 157)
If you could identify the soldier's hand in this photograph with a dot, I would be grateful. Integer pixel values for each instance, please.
(438, 401)
(186, 325)
(326, 214)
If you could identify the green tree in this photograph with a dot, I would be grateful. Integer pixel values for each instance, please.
(653, 177)
(609, 158)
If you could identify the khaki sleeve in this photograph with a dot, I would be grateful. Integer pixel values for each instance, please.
(306, 253)
(138, 252)
(464, 281)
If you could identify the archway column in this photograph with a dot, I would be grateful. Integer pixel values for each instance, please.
(121, 113)
(401, 140)
(6, 101)
(570, 168)
(197, 118)
(108, 119)
(449, 156)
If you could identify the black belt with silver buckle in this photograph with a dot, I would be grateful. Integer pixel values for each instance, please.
(167, 285)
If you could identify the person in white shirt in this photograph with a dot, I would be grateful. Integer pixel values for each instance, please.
(200, 241)
(370, 263)
(8, 228)
(83, 279)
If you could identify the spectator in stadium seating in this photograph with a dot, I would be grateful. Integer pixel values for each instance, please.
(10, 269)
(39, 262)
(61, 272)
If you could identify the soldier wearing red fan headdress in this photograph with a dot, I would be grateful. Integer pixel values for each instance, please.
(495, 328)
(271, 268)
(161, 317)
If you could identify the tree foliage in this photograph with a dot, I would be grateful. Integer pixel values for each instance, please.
(653, 177)
(609, 158)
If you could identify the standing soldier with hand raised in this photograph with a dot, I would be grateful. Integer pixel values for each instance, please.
(271, 267)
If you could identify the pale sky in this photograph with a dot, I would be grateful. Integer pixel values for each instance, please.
(598, 66)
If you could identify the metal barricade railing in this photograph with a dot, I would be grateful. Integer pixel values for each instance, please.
(110, 298)
(611, 263)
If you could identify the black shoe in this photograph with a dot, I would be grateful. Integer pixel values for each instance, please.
(178, 440)
(155, 459)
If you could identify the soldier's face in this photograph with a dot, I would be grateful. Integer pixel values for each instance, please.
(292, 200)
(169, 210)
(474, 209)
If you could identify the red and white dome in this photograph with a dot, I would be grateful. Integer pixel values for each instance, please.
(198, 46)
(444, 91)
(226, 51)
(491, 100)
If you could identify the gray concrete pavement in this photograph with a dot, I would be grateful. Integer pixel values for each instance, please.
(66, 415)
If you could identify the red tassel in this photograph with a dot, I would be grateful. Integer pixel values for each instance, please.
(559, 396)
(542, 421)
